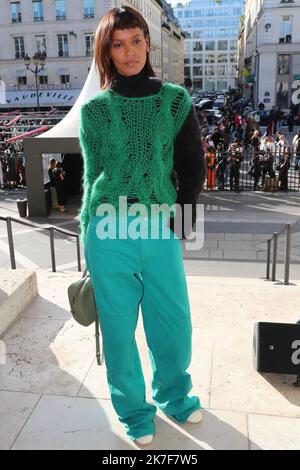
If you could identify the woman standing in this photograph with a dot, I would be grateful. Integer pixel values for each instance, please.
(52, 183)
(139, 136)
(255, 141)
(59, 177)
(211, 168)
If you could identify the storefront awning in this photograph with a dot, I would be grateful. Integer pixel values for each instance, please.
(22, 99)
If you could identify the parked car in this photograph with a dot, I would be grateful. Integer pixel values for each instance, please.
(215, 113)
(195, 99)
(198, 94)
(219, 103)
(210, 95)
(204, 104)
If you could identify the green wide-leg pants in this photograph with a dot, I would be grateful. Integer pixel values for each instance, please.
(147, 271)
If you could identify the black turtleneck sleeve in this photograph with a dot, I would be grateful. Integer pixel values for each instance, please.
(189, 166)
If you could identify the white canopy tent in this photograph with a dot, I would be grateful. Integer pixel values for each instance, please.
(62, 138)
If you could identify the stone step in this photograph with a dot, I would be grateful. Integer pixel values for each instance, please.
(18, 290)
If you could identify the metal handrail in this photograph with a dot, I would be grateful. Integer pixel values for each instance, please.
(50, 228)
(287, 229)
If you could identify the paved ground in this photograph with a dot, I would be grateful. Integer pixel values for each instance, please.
(54, 396)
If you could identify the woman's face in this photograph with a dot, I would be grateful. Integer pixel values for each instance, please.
(128, 51)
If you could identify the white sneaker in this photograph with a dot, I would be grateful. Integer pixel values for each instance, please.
(145, 440)
(195, 417)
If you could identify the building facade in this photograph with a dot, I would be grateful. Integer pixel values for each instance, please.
(173, 39)
(272, 52)
(211, 28)
(65, 35)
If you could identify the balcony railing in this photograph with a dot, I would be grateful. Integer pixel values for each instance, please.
(61, 17)
(38, 19)
(19, 55)
(17, 19)
(88, 15)
(286, 39)
(63, 53)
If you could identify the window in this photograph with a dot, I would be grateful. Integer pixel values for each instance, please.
(64, 79)
(209, 84)
(233, 70)
(222, 70)
(187, 46)
(61, 13)
(40, 44)
(198, 34)
(89, 43)
(197, 71)
(222, 85)
(43, 80)
(15, 12)
(88, 9)
(197, 46)
(22, 80)
(282, 94)
(210, 46)
(283, 64)
(197, 59)
(38, 11)
(63, 46)
(222, 58)
(209, 70)
(210, 59)
(198, 83)
(19, 48)
(222, 45)
(188, 13)
(286, 29)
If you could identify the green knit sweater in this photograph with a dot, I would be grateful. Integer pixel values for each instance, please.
(127, 145)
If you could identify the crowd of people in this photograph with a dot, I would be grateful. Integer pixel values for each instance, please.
(240, 155)
(236, 151)
(12, 166)
(57, 185)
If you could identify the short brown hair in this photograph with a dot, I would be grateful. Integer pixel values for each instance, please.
(123, 17)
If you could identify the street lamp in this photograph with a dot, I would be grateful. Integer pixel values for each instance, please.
(37, 59)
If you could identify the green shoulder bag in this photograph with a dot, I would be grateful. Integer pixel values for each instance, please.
(83, 307)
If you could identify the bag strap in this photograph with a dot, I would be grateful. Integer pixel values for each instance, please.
(97, 336)
(99, 355)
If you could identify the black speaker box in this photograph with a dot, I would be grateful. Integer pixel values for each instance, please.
(276, 348)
